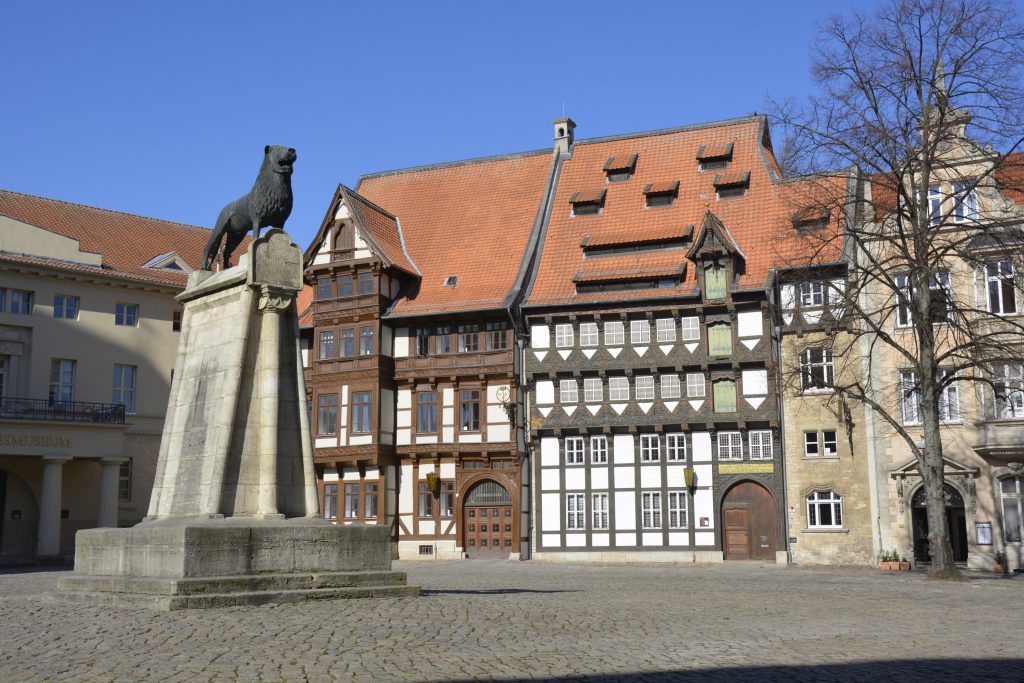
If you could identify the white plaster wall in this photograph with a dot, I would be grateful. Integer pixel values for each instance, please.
(625, 478)
(425, 469)
(387, 410)
(755, 382)
(625, 511)
(499, 433)
(447, 470)
(575, 479)
(551, 540)
(750, 324)
(599, 478)
(625, 539)
(704, 538)
(403, 436)
(551, 511)
(540, 336)
(575, 540)
(548, 451)
(401, 342)
(700, 447)
(405, 501)
(360, 440)
(549, 480)
(703, 506)
(350, 474)
(650, 477)
(651, 538)
(330, 475)
(622, 447)
(600, 540)
(386, 340)
(426, 439)
(545, 391)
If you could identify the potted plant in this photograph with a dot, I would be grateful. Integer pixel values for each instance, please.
(1000, 565)
(904, 564)
(890, 561)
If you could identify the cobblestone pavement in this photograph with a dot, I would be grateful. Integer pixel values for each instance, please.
(507, 621)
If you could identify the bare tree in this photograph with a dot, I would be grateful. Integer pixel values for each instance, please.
(922, 104)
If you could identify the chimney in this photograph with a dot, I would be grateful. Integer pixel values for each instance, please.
(564, 134)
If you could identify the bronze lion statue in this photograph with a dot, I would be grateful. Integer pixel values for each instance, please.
(268, 204)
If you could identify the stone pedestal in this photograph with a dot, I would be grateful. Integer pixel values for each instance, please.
(234, 515)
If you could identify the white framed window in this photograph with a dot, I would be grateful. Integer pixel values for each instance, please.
(811, 447)
(62, 380)
(644, 387)
(599, 511)
(124, 386)
(949, 400)
(575, 511)
(817, 370)
(904, 295)
(588, 334)
(1008, 390)
(563, 336)
(618, 389)
(574, 450)
(1012, 494)
(675, 447)
(650, 448)
(677, 512)
(730, 446)
(760, 444)
(568, 391)
(65, 306)
(1001, 294)
(821, 443)
(639, 332)
(614, 333)
(910, 394)
(669, 386)
(812, 294)
(934, 206)
(651, 504)
(691, 328)
(824, 510)
(592, 391)
(126, 314)
(965, 207)
(20, 300)
(829, 443)
(696, 387)
(599, 450)
(666, 329)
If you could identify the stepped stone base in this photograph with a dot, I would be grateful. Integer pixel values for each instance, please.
(178, 564)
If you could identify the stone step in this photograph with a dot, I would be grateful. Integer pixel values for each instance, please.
(205, 585)
(213, 600)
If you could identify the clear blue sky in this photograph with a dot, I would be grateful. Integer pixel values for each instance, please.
(163, 109)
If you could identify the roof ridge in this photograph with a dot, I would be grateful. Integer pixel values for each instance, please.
(99, 208)
(458, 162)
(675, 129)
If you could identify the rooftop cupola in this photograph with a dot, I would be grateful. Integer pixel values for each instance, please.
(564, 137)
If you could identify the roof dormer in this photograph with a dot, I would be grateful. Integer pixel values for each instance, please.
(168, 261)
(661, 193)
(587, 202)
(714, 156)
(620, 168)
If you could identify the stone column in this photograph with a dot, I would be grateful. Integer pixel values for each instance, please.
(110, 470)
(272, 302)
(49, 505)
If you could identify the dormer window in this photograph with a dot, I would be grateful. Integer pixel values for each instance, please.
(620, 168)
(587, 202)
(714, 157)
(168, 261)
(714, 280)
(809, 220)
(731, 184)
(662, 193)
(451, 280)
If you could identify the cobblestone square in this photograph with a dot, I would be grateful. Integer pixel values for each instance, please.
(496, 620)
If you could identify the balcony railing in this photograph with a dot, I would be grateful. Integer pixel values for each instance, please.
(60, 411)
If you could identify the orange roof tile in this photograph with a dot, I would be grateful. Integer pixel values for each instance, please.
(652, 235)
(590, 196)
(1010, 177)
(662, 187)
(380, 228)
(304, 306)
(623, 162)
(727, 178)
(720, 150)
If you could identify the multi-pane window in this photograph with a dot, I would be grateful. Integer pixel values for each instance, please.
(574, 450)
(425, 498)
(934, 205)
(469, 338)
(906, 293)
(497, 336)
(618, 389)
(599, 511)
(588, 334)
(444, 339)
(760, 445)
(447, 498)
(666, 329)
(426, 412)
(1012, 492)
(650, 448)
(1008, 390)
(62, 380)
(361, 403)
(720, 340)
(345, 286)
(366, 283)
(327, 414)
(470, 410)
(651, 506)
(614, 333)
(910, 393)
(324, 288)
(675, 447)
(724, 396)
(820, 443)
(124, 481)
(696, 387)
(598, 450)
(592, 391)
(811, 447)
(730, 446)
(65, 306)
(949, 399)
(126, 314)
(965, 207)
(999, 286)
(644, 387)
(829, 443)
(639, 332)
(346, 342)
(714, 281)
(124, 386)
(575, 511)
(176, 321)
(812, 294)
(817, 369)
(21, 301)
(351, 501)
(669, 386)
(365, 341)
(568, 391)
(690, 328)
(422, 342)
(824, 510)
(331, 501)
(326, 344)
(563, 336)
(369, 500)
(677, 515)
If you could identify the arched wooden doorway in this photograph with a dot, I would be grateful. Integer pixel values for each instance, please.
(748, 523)
(488, 521)
(956, 523)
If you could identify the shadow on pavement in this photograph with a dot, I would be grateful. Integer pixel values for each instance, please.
(489, 591)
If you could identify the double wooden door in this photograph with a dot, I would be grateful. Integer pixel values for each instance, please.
(748, 523)
(488, 530)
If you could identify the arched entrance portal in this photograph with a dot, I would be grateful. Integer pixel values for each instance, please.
(748, 523)
(19, 520)
(956, 523)
(487, 520)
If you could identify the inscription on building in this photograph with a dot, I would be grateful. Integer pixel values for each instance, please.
(746, 468)
(35, 441)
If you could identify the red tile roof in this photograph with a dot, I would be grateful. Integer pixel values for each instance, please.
(623, 162)
(718, 150)
(124, 241)
(732, 178)
(1010, 177)
(662, 187)
(653, 235)
(590, 196)
(304, 306)
(380, 228)
(472, 219)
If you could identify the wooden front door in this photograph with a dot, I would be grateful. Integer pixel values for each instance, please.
(748, 514)
(487, 520)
